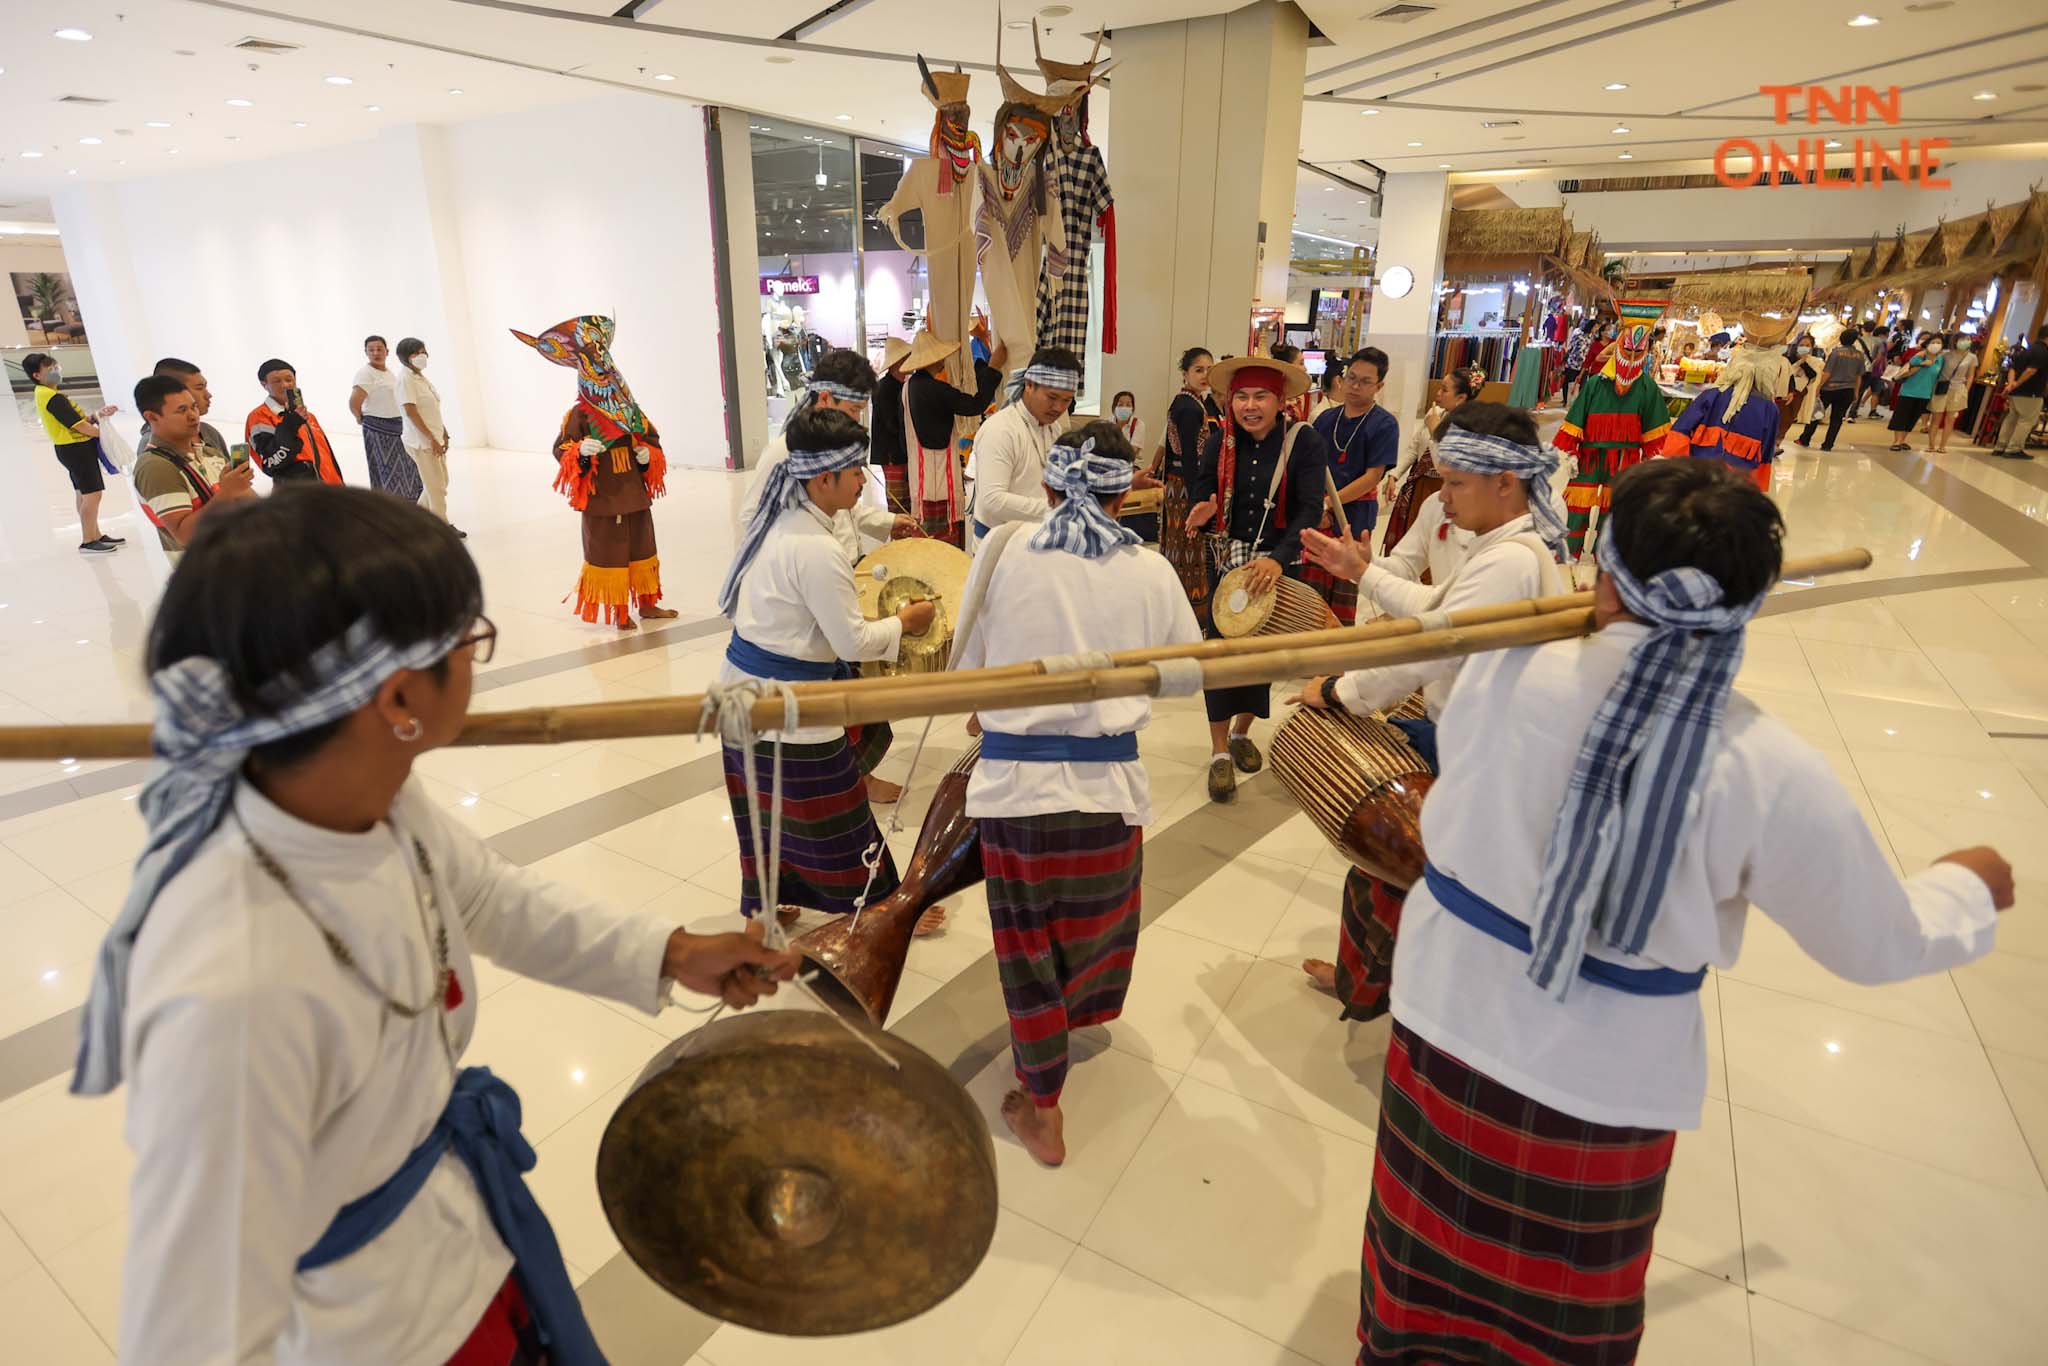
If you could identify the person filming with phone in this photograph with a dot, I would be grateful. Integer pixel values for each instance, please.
(288, 440)
(170, 481)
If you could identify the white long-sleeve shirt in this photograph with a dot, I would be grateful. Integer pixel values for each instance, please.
(1772, 826)
(848, 526)
(267, 1087)
(1051, 602)
(1503, 565)
(797, 598)
(1432, 542)
(1009, 467)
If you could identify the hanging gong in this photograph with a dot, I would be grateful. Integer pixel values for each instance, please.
(772, 1171)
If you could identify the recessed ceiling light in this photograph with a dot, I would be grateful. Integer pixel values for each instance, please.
(1627, 156)
(183, 52)
(239, 103)
(2031, 88)
(233, 138)
(1616, 85)
(843, 118)
(1833, 143)
(454, 90)
(156, 123)
(373, 109)
(298, 123)
(1414, 144)
(1929, 6)
(1865, 21)
(1055, 11)
(1985, 95)
(73, 35)
(88, 142)
(663, 76)
(341, 80)
(31, 154)
(1516, 137)
(71, 172)
(1441, 166)
(1018, 23)
(170, 151)
(780, 61)
(1619, 128)
(1367, 113)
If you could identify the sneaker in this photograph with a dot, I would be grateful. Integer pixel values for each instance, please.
(1245, 754)
(113, 540)
(96, 548)
(1222, 779)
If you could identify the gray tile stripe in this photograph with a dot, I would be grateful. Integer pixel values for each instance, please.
(2014, 531)
(2027, 471)
(2018, 734)
(1833, 594)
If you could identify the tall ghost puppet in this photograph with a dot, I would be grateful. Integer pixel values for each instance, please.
(1017, 214)
(1618, 420)
(940, 189)
(1080, 180)
(609, 463)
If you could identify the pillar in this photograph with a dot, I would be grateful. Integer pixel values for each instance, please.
(1202, 151)
(732, 194)
(1415, 214)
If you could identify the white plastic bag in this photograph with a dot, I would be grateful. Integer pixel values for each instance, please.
(115, 447)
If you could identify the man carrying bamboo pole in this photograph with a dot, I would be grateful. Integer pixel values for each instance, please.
(1059, 791)
(796, 616)
(1547, 1033)
(1496, 488)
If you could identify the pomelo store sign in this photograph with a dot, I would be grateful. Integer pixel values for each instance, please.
(1850, 116)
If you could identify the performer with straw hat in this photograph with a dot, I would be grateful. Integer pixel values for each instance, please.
(1257, 487)
(886, 451)
(1547, 1031)
(932, 408)
(1735, 420)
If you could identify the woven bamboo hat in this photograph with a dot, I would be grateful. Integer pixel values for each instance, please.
(1294, 378)
(927, 350)
(1758, 330)
(894, 350)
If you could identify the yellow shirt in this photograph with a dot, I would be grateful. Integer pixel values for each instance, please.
(59, 430)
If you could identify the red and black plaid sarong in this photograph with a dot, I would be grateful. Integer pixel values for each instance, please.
(1341, 594)
(1063, 898)
(1365, 945)
(870, 744)
(1502, 1232)
(826, 827)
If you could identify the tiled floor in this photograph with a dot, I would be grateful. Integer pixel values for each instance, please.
(1865, 1189)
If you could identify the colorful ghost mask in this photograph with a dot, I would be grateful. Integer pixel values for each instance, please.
(1632, 347)
(585, 345)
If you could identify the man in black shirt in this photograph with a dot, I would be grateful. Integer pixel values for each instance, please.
(1254, 514)
(933, 481)
(2025, 385)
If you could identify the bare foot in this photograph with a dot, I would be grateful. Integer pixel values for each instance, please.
(1042, 1131)
(883, 791)
(930, 923)
(786, 916)
(1321, 972)
(628, 624)
(658, 613)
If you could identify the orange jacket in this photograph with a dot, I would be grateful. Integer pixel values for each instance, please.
(315, 451)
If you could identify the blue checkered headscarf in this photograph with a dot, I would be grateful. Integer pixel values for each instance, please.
(1080, 525)
(1048, 376)
(831, 389)
(1477, 453)
(784, 487)
(1639, 768)
(202, 738)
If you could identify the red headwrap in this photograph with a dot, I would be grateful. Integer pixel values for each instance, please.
(1258, 377)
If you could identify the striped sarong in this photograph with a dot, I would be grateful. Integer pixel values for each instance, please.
(1063, 898)
(1365, 945)
(1184, 552)
(1501, 1231)
(392, 469)
(870, 744)
(931, 517)
(1341, 594)
(826, 827)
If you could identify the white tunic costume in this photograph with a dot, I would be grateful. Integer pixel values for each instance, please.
(848, 526)
(1772, 826)
(1009, 467)
(267, 1087)
(1052, 602)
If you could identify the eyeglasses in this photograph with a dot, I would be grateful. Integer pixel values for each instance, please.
(484, 639)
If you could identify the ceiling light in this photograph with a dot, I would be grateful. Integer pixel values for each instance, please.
(156, 123)
(780, 61)
(1055, 11)
(1616, 85)
(299, 123)
(844, 118)
(1627, 156)
(1328, 188)
(31, 154)
(170, 151)
(373, 109)
(88, 142)
(1619, 128)
(1985, 95)
(663, 76)
(1441, 166)
(73, 35)
(239, 103)
(1018, 23)
(341, 80)
(2025, 88)
(71, 172)
(1367, 113)
(454, 90)
(1833, 143)
(1865, 21)
(233, 138)
(1414, 144)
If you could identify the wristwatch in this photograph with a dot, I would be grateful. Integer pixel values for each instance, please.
(1330, 692)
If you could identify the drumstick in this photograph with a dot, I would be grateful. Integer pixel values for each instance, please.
(1225, 663)
(1336, 503)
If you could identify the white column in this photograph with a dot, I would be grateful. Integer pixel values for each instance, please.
(743, 280)
(1414, 215)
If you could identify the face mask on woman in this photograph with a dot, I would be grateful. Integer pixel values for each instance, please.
(1805, 350)
(1934, 348)
(419, 362)
(1123, 412)
(1963, 345)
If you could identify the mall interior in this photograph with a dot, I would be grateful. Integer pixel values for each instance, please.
(1484, 199)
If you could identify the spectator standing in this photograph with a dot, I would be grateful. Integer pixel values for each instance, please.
(1123, 409)
(1802, 385)
(1916, 390)
(170, 484)
(376, 404)
(1364, 443)
(1839, 387)
(426, 435)
(2025, 384)
(1575, 352)
(1951, 393)
(212, 456)
(76, 437)
(290, 443)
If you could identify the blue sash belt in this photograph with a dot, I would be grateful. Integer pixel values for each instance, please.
(1489, 919)
(981, 530)
(1060, 749)
(481, 1124)
(755, 662)
(1421, 733)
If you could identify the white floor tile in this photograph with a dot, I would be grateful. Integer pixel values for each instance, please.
(1845, 1073)
(1941, 1264)
(1702, 1223)
(568, 779)
(1179, 987)
(2025, 1081)
(1772, 958)
(2007, 995)
(682, 840)
(15, 1257)
(90, 1273)
(1692, 1319)
(611, 879)
(1099, 1311)
(1237, 906)
(1784, 1336)
(564, 1181)
(1250, 1213)
(1887, 675)
(64, 1168)
(45, 1327)
(560, 1050)
(1280, 1043)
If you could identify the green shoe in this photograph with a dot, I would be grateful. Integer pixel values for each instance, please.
(1246, 754)
(1222, 780)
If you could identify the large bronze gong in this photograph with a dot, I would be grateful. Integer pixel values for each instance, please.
(771, 1170)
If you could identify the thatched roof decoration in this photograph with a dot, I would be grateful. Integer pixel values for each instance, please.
(1753, 291)
(1506, 232)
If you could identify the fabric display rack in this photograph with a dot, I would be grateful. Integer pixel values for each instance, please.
(1491, 352)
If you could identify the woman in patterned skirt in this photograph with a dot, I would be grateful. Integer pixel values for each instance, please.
(1188, 419)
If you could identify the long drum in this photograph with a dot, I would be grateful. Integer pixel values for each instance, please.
(1362, 784)
(1289, 605)
(902, 571)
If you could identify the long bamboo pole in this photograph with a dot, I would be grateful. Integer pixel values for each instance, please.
(1225, 664)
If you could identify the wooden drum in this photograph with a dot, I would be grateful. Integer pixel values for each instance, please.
(1290, 605)
(900, 571)
(1362, 784)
